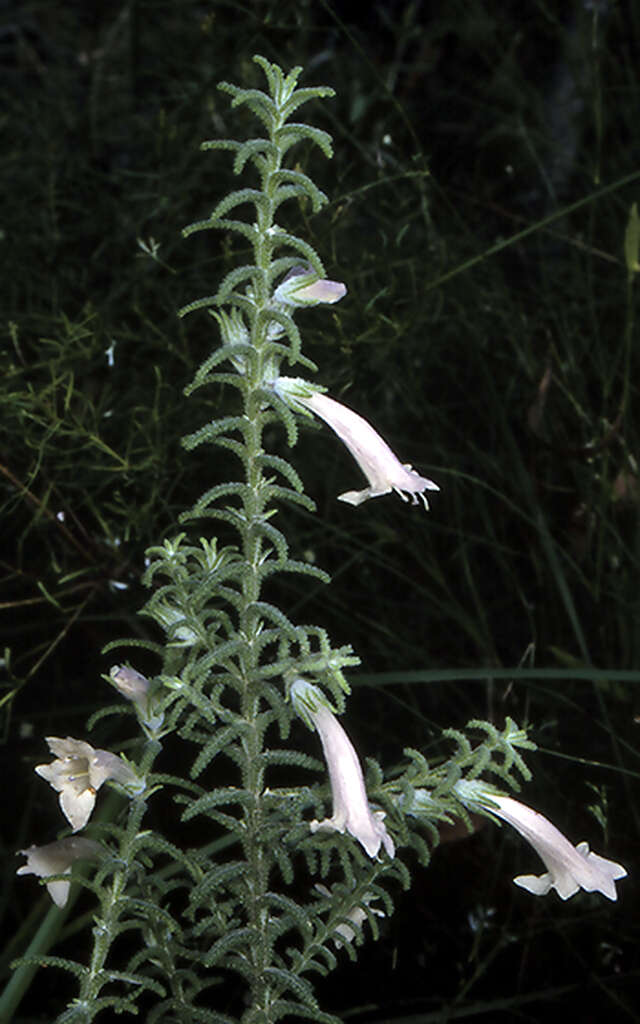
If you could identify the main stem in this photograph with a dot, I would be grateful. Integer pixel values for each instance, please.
(257, 857)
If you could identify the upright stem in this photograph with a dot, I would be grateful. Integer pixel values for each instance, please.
(253, 768)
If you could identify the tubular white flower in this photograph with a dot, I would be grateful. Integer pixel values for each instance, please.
(56, 859)
(351, 810)
(381, 467)
(569, 868)
(78, 773)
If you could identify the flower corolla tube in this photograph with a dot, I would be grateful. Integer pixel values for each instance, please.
(569, 868)
(380, 465)
(351, 810)
(78, 773)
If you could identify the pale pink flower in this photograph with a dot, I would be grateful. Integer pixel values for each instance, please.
(351, 810)
(381, 467)
(78, 773)
(56, 859)
(569, 868)
(301, 287)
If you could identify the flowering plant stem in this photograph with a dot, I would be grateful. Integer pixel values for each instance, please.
(234, 668)
(251, 515)
(112, 905)
(250, 625)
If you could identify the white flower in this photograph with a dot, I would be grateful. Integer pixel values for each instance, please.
(569, 868)
(381, 467)
(301, 287)
(351, 810)
(56, 859)
(77, 774)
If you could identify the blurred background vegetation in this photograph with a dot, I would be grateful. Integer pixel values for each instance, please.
(486, 160)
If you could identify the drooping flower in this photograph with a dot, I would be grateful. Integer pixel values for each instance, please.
(351, 810)
(302, 287)
(56, 859)
(381, 467)
(569, 868)
(77, 774)
(136, 688)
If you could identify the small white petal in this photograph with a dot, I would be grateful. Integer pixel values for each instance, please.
(77, 807)
(59, 892)
(540, 885)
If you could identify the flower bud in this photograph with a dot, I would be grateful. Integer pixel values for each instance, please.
(302, 287)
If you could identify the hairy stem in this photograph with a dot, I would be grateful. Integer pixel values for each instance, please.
(257, 857)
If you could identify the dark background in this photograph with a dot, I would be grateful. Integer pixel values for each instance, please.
(486, 159)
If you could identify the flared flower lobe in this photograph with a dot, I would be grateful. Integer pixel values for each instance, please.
(78, 773)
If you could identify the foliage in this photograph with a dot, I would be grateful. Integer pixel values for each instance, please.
(497, 359)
